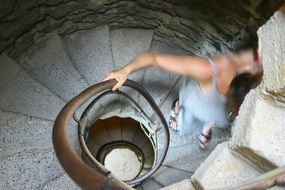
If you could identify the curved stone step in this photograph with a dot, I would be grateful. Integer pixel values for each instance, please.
(166, 176)
(128, 133)
(223, 168)
(91, 52)
(150, 184)
(48, 62)
(60, 183)
(20, 93)
(126, 45)
(183, 185)
(187, 157)
(114, 129)
(148, 153)
(98, 136)
(29, 169)
(19, 132)
(165, 105)
(129, 43)
(159, 83)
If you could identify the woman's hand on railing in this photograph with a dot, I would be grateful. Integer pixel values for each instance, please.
(120, 75)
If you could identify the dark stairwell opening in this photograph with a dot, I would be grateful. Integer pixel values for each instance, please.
(122, 146)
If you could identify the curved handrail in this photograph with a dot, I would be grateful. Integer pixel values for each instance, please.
(131, 101)
(80, 172)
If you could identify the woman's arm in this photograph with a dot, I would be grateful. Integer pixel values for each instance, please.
(189, 66)
(195, 67)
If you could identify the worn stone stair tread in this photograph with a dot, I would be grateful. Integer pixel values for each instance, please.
(176, 156)
(111, 106)
(18, 170)
(9, 70)
(166, 104)
(19, 132)
(182, 185)
(91, 52)
(224, 168)
(48, 62)
(20, 93)
(60, 183)
(126, 45)
(159, 83)
(176, 140)
(150, 184)
(129, 43)
(99, 134)
(114, 130)
(128, 130)
(167, 176)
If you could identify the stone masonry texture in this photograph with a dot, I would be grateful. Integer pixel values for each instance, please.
(190, 25)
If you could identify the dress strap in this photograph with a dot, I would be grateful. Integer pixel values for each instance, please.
(213, 67)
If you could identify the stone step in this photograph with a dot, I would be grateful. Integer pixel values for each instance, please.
(20, 93)
(126, 45)
(48, 62)
(222, 168)
(19, 132)
(114, 130)
(159, 83)
(166, 104)
(184, 154)
(166, 176)
(60, 183)
(29, 169)
(149, 184)
(129, 131)
(188, 157)
(182, 185)
(129, 43)
(148, 153)
(91, 52)
(259, 132)
(98, 136)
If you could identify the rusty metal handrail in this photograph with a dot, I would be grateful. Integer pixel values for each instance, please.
(80, 172)
(98, 165)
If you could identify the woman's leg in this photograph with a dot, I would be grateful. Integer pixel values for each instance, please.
(205, 136)
(177, 106)
(173, 115)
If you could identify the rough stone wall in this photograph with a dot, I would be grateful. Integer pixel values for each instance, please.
(273, 54)
(190, 24)
(259, 130)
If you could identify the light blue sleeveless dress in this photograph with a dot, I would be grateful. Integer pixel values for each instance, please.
(198, 108)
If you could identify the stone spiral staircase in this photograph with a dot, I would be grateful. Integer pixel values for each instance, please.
(36, 85)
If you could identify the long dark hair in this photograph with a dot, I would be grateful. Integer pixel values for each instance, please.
(239, 87)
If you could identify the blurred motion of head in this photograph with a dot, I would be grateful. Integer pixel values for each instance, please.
(248, 58)
(239, 87)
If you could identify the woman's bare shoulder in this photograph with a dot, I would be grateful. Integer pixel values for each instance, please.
(226, 71)
(224, 60)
